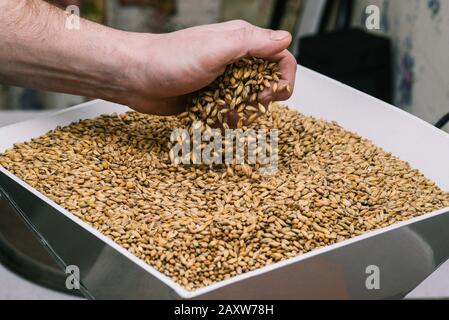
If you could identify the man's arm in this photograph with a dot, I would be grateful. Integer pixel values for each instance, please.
(38, 51)
(151, 73)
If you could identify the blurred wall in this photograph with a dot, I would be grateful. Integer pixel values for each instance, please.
(149, 19)
(419, 31)
(257, 12)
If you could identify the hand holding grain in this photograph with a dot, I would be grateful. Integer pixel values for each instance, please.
(175, 64)
(151, 73)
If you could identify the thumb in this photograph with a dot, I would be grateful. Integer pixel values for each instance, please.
(250, 40)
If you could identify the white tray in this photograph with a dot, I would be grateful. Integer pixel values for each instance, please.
(405, 253)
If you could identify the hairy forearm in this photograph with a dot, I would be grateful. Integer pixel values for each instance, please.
(38, 51)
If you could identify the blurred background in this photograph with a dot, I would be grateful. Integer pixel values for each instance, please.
(403, 61)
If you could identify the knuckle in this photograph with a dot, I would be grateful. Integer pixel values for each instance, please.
(240, 23)
(244, 34)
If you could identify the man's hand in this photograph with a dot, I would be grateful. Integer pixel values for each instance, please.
(171, 65)
(150, 73)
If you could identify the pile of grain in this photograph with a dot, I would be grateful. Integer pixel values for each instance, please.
(232, 100)
(197, 227)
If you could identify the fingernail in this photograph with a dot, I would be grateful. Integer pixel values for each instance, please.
(278, 35)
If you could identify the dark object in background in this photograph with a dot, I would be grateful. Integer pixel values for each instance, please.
(278, 13)
(356, 58)
(29, 100)
(345, 10)
(442, 122)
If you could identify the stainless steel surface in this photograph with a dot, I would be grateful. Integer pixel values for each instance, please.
(14, 287)
(28, 271)
(21, 252)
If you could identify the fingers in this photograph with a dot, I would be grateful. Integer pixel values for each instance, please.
(287, 64)
(219, 45)
(250, 40)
